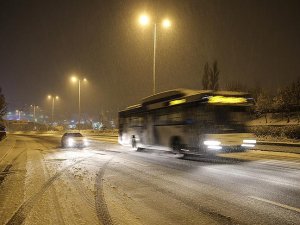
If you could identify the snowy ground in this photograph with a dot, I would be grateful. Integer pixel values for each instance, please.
(41, 183)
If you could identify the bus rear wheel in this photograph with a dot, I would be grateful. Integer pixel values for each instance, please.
(176, 145)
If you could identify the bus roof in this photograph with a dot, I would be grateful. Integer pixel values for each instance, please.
(180, 96)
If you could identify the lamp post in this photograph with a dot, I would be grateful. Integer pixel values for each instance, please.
(53, 98)
(74, 79)
(34, 113)
(166, 23)
(18, 112)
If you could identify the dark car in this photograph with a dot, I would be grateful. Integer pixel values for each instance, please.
(73, 140)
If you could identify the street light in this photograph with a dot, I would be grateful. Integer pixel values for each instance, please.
(34, 111)
(53, 98)
(18, 112)
(166, 23)
(74, 79)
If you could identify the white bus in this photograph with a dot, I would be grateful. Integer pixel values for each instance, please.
(188, 122)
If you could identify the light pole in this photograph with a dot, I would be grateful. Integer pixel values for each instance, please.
(19, 114)
(34, 112)
(144, 21)
(74, 79)
(53, 98)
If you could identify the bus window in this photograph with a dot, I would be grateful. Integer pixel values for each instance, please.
(136, 121)
(175, 117)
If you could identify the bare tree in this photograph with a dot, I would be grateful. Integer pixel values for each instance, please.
(294, 91)
(205, 78)
(3, 105)
(214, 77)
(297, 97)
(263, 105)
(282, 102)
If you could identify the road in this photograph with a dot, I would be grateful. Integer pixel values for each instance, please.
(41, 183)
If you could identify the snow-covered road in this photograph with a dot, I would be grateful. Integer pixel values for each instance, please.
(41, 183)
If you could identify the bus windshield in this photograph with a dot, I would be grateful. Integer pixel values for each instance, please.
(226, 119)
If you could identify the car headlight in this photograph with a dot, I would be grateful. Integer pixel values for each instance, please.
(85, 142)
(70, 142)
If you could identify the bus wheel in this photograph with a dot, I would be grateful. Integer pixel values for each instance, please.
(176, 145)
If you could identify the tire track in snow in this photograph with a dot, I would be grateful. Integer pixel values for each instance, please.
(6, 170)
(88, 198)
(101, 206)
(223, 219)
(20, 215)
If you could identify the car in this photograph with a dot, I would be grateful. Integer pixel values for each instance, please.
(73, 140)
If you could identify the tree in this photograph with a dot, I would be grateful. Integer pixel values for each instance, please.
(263, 104)
(205, 78)
(3, 105)
(296, 96)
(210, 79)
(214, 77)
(282, 102)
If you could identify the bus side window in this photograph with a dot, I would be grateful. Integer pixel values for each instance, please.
(175, 117)
(136, 121)
(160, 119)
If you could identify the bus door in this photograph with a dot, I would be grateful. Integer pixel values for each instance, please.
(148, 129)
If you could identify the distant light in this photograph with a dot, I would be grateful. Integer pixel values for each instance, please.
(226, 100)
(56, 97)
(74, 79)
(177, 102)
(49, 96)
(84, 79)
(166, 23)
(144, 20)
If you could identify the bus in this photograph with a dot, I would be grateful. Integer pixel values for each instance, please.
(189, 122)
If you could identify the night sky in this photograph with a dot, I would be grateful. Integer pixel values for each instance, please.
(42, 43)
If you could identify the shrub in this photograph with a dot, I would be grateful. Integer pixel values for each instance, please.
(292, 131)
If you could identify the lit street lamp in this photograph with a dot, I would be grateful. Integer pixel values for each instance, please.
(74, 79)
(53, 98)
(144, 21)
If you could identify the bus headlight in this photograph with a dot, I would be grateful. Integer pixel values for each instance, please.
(214, 147)
(248, 145)
(248, 141)
(211, 143)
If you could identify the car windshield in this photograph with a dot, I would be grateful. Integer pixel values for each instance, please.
(74, 135)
